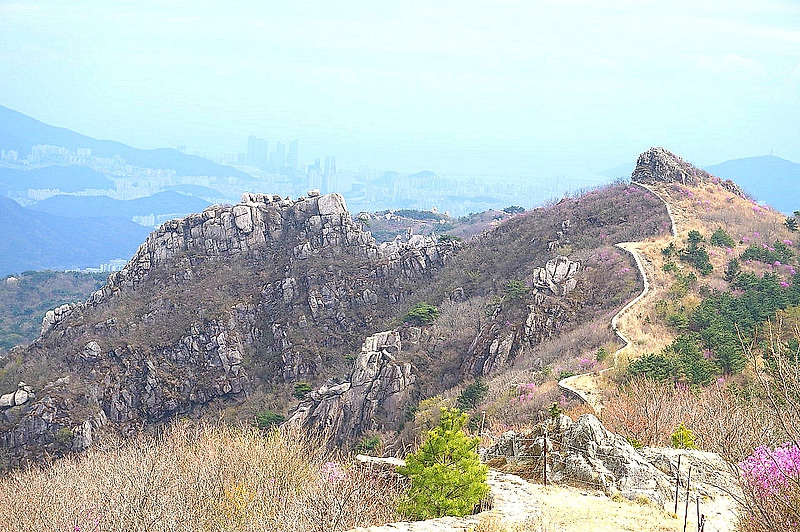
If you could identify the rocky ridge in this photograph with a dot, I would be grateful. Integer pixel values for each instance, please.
(658, 165)
(106, 376)
(305, 227)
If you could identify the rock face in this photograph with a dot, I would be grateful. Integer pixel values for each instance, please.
(23, 394)
(585, 454)
(259, 294)
(373, 398)
(557, 276)
(658, 165)
(496, 346)
(305, 228)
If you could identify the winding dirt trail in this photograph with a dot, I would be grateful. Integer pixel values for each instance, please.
(588, 386)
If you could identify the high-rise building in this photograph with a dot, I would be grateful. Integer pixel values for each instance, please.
(291, 157)
(330, 165)
(257, 152)
(278, 160)
(251, 149)
(314, 174)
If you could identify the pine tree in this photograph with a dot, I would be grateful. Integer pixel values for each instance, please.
(683, 438)
(447, 477)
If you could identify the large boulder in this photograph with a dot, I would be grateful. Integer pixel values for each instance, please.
(374, 397)
(586, 454)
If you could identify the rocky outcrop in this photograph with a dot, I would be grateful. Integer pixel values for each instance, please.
(585, 454)
(22, 395)
(255, 295)
(56, 316)
(374, 397)
(498, 344)
(557, 276)
(658, 165)
(313, 226)
(45, 425)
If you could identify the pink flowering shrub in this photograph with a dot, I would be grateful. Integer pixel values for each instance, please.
(771, 471)
(772, 484)
(527, 393)
(332, 472)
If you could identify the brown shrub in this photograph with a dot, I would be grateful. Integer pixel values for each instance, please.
(722, 419)
(198, 478)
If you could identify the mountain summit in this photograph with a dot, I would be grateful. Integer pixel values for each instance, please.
(658, 165)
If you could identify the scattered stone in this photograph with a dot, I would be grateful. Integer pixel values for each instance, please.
(92, 351)
(22, 395)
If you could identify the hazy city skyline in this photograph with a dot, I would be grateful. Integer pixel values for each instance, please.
(508, 87)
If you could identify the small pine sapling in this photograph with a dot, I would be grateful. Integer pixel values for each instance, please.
(683, 438)
(446, 474)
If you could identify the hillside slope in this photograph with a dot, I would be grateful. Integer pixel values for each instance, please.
(26, 297)
(228, 309)
(105, 207)
(705, 204)
(65, 178)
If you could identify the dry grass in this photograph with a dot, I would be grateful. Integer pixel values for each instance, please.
(203, 477)
(493, 522)
(704, 208)
(721, 421)
(572, 510)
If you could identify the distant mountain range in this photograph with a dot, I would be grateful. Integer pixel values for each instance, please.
(198, 191)
(20, 132)
(769, 179)
(67, 178)
(71, 232)
(623, 170)
(103, 206)
(32, 240)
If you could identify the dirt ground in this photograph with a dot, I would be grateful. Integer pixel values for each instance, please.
(573, 510)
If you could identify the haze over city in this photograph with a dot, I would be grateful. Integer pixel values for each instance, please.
(520, 88)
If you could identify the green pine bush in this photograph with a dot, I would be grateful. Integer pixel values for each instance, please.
(683, 438)
(516, 289)
(422, 314)
(722, 239)
(447, 477)
(472, 395)
(268, 418)
(301, 389)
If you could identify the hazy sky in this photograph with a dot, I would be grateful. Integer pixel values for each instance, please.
(521, 87)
